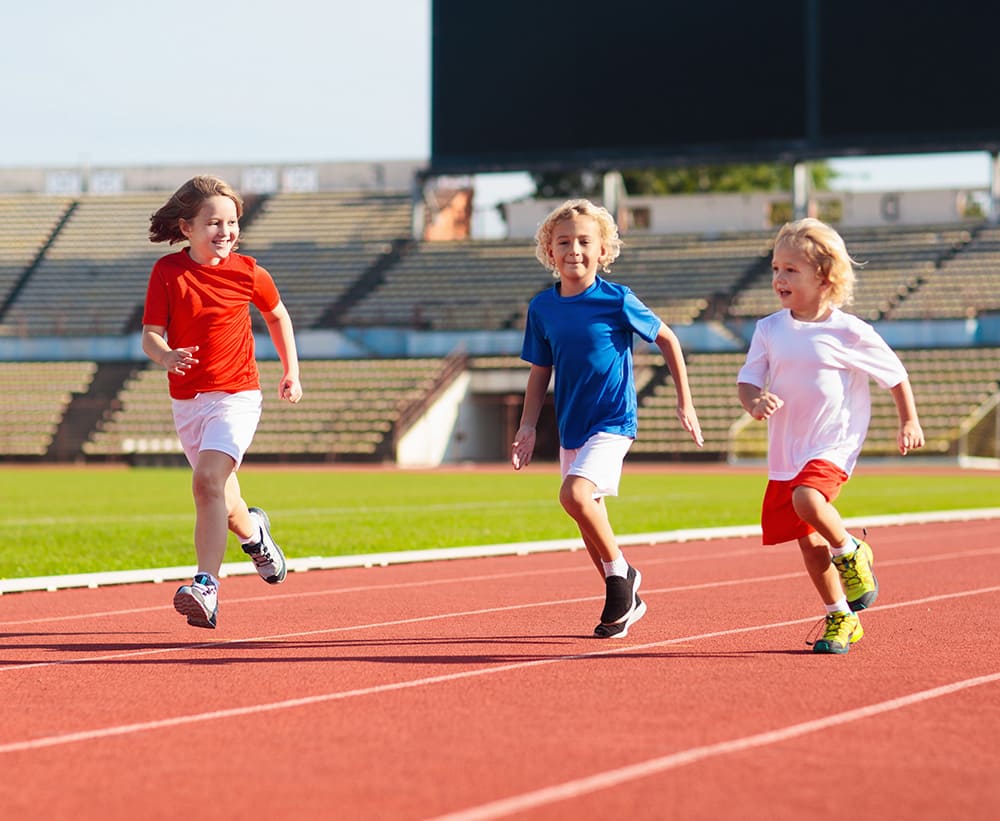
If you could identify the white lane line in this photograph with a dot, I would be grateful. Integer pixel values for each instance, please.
(256, 709)
(583, 568)
(654, 766)
(365, 588)
(479, 612)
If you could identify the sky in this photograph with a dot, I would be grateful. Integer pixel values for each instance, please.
(119, 82)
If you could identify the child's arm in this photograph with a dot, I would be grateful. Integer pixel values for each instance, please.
(155, 346)
(911, 435)
(279, 326)
(759, 403)
(666, 340)
(534, 398)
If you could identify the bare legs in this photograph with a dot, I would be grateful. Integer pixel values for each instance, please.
(219, 508)
(812, 507)
(591, 516)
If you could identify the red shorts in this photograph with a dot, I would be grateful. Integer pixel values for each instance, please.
(778, 518)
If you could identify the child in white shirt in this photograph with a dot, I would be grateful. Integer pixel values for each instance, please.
(807, 374)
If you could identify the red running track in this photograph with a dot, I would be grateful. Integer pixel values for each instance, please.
(471, 689)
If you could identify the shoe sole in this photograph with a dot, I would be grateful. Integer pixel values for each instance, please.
(620, 629)
(187, 605)
(266, 523)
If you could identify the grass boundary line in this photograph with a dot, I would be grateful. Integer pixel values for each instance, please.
(301, 565)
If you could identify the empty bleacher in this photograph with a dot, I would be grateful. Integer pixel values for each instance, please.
(462, 285)
(27, 222)
(965, 285)
(92, 279)
(317, 246)
(33, 399)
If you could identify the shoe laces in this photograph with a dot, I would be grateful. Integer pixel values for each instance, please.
(854, 576)
(832, 625)
(848, 566)
(260, 554)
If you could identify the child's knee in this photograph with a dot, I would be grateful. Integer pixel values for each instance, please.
(574, 494)
(808, 502)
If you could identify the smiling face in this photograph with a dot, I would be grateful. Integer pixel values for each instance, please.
(214, 230)
(576, 251)
(799, 284)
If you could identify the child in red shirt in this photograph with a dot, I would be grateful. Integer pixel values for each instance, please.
(196, 324)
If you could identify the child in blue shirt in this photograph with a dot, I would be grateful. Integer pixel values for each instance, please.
(582, 328)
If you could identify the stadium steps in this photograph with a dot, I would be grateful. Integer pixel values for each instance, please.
(365, 284)
(86, 409)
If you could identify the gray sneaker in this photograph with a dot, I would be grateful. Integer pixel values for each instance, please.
(199, 601)
(266, 554)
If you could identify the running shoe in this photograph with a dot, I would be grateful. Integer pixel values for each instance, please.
(860, 584)
(266, 554)
(842, 630)
(199, 601)
(622, 605)
(620, 630)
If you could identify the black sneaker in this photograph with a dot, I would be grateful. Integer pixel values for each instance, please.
(620, 604)
(266, 554)
(620, 630)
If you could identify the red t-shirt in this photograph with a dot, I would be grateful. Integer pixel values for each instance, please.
(209, 306)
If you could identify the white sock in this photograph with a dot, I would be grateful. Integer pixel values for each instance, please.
(257, 535)
(838, 607)
(619, 567)
(847, 547)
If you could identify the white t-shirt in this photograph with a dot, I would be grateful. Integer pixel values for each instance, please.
(821, 371)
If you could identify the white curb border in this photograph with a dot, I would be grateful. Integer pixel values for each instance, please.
(162, 574)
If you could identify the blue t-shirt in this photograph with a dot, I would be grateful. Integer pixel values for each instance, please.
(587, 340)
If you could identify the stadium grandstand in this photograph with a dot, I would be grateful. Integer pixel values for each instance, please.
(409, 327)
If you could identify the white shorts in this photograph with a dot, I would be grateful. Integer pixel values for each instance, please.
(599, 459)
(219, 421)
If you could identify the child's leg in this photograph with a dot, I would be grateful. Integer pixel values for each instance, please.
(812, 506)
(824, 576)
(239, 520)
(852, 561)
(209, 487)
(591, 516)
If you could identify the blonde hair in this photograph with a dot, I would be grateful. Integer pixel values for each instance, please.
(825, 249)
(185, 203)
(605, 223)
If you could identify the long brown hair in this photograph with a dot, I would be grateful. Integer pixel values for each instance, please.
(164, 225)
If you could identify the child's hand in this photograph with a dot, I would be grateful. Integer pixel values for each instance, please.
(523, 447)
(765, 405)
(690, 423)
(180, 360)
(290, 390)
(911, 437)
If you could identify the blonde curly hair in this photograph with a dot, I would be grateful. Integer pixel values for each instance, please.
(605, 223)
(824, 248)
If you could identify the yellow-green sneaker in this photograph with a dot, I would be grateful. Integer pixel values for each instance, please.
(842, 630)
(860, 584)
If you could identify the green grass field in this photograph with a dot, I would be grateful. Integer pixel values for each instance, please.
(79, 520)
